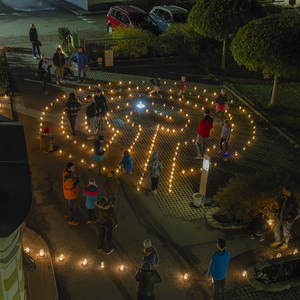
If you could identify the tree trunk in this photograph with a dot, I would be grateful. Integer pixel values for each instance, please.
(223, 55)
(274, 89)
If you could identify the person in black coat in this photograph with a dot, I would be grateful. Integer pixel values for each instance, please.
(101, 107)
(59, 62)
(44, 71)
(33, 37)
(91, 114)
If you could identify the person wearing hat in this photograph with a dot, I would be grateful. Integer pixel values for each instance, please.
(146, 278)
(126, 163)
(101, 109)
(111, 186)
(46, 140)
(91, 194)
(71, 190)
(155, 167)
(205, 125)
(150, 254)
(98, 154)
(59, 62)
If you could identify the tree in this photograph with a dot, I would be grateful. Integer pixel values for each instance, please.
(221, 19)
(270, 44)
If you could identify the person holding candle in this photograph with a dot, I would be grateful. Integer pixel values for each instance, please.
(46, 140)
(155, 167)
(156, 82)
(104, 210)
(126, 163)
(71, 190)
(218, 268)
(111, 186)
(225, 135)
(182, 86)
(98, 154)
(146, 277)
(91, 194)
(72, 109)
(221, 102)
(150, 254)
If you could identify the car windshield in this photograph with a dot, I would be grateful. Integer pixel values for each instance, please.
(142, 21)
(180, 18)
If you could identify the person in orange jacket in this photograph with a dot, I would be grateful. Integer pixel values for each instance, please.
(71, 190)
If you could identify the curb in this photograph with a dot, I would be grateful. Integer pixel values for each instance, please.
(209, 217)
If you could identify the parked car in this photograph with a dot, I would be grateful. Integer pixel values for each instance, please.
(165, 15)
(278, 8)
(130, 16)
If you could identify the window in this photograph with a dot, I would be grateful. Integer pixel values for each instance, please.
(167, 16)
(180, 18)
(118, 15)
(124, 19)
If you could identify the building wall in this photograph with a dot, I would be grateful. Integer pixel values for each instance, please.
(80, 3)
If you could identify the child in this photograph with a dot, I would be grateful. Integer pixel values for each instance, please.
(221, 102)
(46, 140)
(225, 135)
(182, 86)
(91, 194)
(126, 163)
(98, 154)
(155, 167)
(150, 254)
(111, 186)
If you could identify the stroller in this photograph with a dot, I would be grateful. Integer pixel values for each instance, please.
(67, 70)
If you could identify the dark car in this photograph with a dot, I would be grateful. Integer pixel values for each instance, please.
(278, 8)
(130, 16)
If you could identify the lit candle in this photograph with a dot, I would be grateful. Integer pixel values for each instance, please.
(84, 262)
(83, 145)
(82, 160)
(192, 170)
(60, 151)
(244, 273)
(295, 251)
(61, 257)
(42, 252)
(215, 164)
(27, 250)
(102, 264)
(70, 155)
(270, 222)
(278, 255)
(186, 275)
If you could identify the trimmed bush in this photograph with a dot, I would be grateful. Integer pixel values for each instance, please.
(3, 74)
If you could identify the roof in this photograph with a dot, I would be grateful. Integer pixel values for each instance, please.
(131, 10)
(15, 183)
(174, 9)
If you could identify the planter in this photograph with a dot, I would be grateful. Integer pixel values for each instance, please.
(209, 216)
(275, 275)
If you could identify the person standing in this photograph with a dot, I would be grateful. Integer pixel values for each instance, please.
(104, 210)
(182, 86)
(221, 102)
(155, 167)
(288, 212)
(146, 278)
(44, 71)
(82, 62)
(91, 194)
(150, 253)
(218, 268)
(92, 115)
(59, 62)
(225, 135)
(101, 108)
(98, 154)
(72, 109)
(156, 82)
(46, 140)
(126, 163)
(205, 125)
(111, 186)
(33, 37)
(71, 190)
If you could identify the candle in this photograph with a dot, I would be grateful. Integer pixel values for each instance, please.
(278, 255)
(27, 250)
(102, 264)
(186, 275)
(83, 145)
(270, 222)
(192, 170)
(244, 273)
(82, 160)
(70, 155)
(60, 151)
(42, 252)
(84, 262)
(295, 251)
(61, 257)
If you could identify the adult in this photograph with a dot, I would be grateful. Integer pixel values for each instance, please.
(72, 109)
(82, 62)
(71, 190)
(98, 154)
(156, 83)
(91, 194)
(146, 278)
(44, 71)
(104, 210)
(288, 212)
(205, 125)
(92, 115)
(59, 62)
(218, 268)
(221, 102)
(101, 107)
(46, 140)
(111, 186)
(154, 167)
(33, 37)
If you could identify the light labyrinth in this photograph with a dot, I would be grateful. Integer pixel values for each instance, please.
(175, 123)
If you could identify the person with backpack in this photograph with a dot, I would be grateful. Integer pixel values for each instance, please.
(92, 115)
(150, 253)
(156, 82)
(155, 167)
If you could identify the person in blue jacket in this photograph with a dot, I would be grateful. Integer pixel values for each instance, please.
(126, 162)
(218, 268)
(150, 254)
(82, 62)
(91, 194)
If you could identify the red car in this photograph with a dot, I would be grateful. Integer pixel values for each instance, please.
(130, 16)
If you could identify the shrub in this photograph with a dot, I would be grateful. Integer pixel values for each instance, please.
(3, 74)
(63, 33)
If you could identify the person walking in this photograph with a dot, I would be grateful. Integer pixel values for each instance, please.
(111, 186)
(98, 155)
(59, 62)
(150, 253)
(44, 71)
(156, 82)
(33, 37)
(104, 210)
(288, 212)
(46, 140)
(82, 62)
(126, 163)
(155, 167)
(101, 108)
(221, 102)
(182, 86)
(146, 278)
(91, 194)
(205, 126)
(218, 268)
(72, 109)
(92, 115)
(71, 190)
(225, 135)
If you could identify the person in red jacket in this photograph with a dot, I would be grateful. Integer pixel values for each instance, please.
(205, 126)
